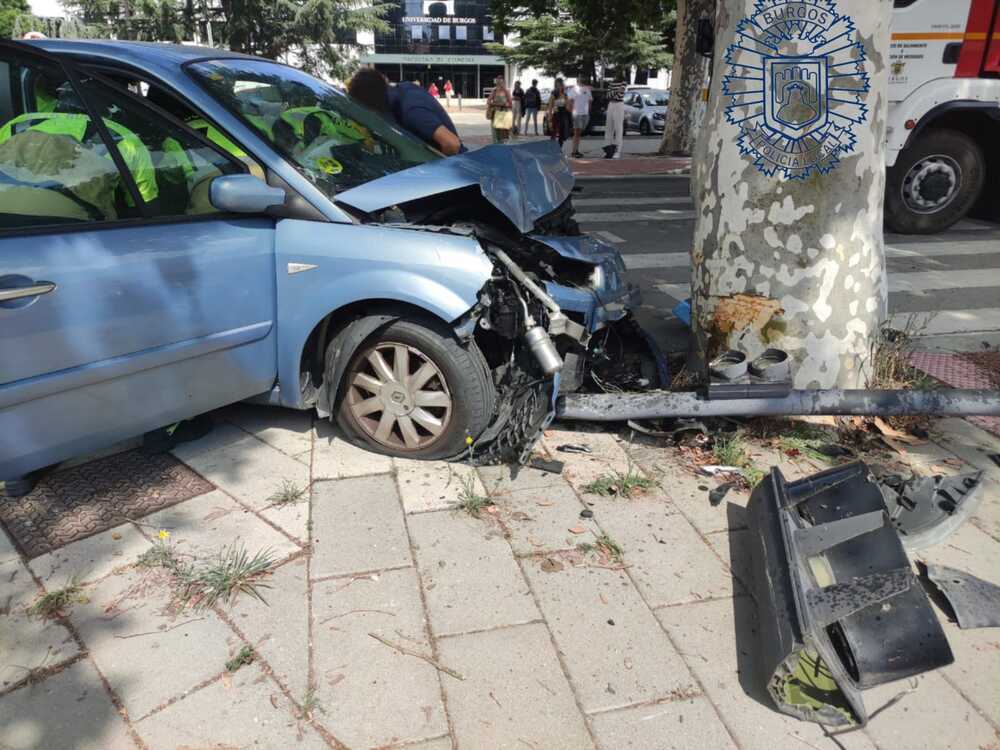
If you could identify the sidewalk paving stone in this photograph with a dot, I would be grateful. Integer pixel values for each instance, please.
(607, 455)
(335, 458)
(675, 725)
(90, 558)
(499, 480)
(734, 549)
(288, 430)
(987, 516)
(248, 469)
(357, 526)
(370, 694)
(970, 443)
(173, 654)
(968, 549)
(718, 640)
(245, 709)
(434, 485)
(514, 694)
(470, 578)
(27, 642)
(667, 558)
(440, 743)
(8, 552)
(279, 629)
(70, 709)
(202, 526)
(976, 666)
(539, 520)
(614, 650)
(932, 717)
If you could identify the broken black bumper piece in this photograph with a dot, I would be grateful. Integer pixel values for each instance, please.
(840, 607)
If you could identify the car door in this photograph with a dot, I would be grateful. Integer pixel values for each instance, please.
(630, 111)
(127, 302)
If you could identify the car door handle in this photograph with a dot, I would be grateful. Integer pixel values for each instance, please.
(35, 289)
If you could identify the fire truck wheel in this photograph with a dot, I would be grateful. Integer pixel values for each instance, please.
(934, 183)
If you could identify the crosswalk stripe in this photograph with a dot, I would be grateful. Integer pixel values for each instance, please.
(632, 201)
(610, 237)
(616, 217)
(946, 322)
(656, 260)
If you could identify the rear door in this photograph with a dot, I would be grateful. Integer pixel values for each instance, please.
(126, 301)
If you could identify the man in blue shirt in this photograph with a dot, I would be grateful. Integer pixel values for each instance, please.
(410, 105)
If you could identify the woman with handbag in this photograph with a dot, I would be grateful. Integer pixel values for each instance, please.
(560, 122)
(498, 110)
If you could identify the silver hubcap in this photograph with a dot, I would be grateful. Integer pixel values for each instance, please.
(399, 397)
(931, 184)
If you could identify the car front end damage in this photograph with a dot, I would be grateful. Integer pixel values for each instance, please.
(555, 316)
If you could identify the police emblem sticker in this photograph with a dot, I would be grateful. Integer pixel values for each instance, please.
(796, 86)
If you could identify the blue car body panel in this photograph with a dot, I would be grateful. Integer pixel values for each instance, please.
(524, 182)
(439, 273)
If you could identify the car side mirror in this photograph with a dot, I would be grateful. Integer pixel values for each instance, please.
(705, 38)
(244, 194)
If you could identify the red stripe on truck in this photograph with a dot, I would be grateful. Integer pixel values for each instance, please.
(981, 17)
(992, 64)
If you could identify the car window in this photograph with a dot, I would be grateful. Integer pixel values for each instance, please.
(171, 168)
(334, 142)
(656, 99)
(55, 167)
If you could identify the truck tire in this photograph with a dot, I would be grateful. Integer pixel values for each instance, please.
(934, 183)
(412, 390)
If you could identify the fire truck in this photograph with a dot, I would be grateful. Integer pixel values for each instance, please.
(943, 131)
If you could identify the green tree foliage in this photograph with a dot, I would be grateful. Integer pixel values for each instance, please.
(10, 13)
(574, 36)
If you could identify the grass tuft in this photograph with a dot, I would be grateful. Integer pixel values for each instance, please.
(731, 450)
(244, 656)
(56, 603)
(610, 547)
(469, 500)
(621, 484)
(310, 704)
(288, 493)
(231, 573)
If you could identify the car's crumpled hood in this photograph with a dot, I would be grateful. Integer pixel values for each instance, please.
(525, 182)
(583, 248)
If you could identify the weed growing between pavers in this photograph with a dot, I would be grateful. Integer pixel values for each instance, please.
(610, 547)
(244, 656)
(469, 500)
(56, 603)
(619, 483)
(309, 705)
(288, 493)
(731, 450)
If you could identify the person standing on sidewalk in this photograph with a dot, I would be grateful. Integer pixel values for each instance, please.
(557, 113)
(448, 91)
(614, 127)
(517, 96)
(498, 109)
(433, 90)
(532, 103)
(580, 98)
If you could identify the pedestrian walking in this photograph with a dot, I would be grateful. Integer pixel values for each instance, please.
(557, 113)
(580, 97)
(448, 92)
(517, 99)
(499, 111)
(532, 103)
(433, 90)
(614, 126)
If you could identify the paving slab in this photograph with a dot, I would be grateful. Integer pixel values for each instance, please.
(970, 443)
(668, 560)
(470, 578)
(737, 555)
(434, 485)
(607, 454)
(335, 458)
(933, 717)
(369, 693)
(357, 525)
(968, 549)
(689, 495)
(540, 519)
(614, 649)
(675, 725)
(719, 641)
(499, 480)
(27, 642)
(514, 694)
(8, 553)
(147, 654)
(976, 666)
(280, 630)
(288, 430)
(247, 468)
(292, 518)
(243, 710)
(90, 558)
(987, 516)
(440, 743)
(202, 526)
(70, 709)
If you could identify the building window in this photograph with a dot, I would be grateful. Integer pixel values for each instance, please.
(444, 32)
(487, 33)
(460, 34)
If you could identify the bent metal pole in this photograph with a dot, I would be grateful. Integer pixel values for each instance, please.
(618, 407)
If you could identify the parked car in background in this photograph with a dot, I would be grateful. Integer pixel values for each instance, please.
(646, 110)
(182, 228)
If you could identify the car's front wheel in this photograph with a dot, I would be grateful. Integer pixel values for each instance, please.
(412, 390)
(644, 128)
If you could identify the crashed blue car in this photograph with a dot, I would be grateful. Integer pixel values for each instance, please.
(182, 228)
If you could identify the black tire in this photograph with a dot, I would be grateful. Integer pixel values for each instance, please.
(644, 128)
(961, 175)
(465, 378)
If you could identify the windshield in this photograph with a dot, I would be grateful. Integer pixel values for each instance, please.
(335, 142)
(656, 99)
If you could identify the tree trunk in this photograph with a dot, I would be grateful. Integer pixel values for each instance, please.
(788, 187)
(687, 76)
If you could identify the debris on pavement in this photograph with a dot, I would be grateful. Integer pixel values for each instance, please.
(974, 602)
(574, 448)
(712, 470)
(926, 510)
(717, 495)
(410, 652)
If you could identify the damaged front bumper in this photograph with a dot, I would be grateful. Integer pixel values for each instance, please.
(840, 608)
